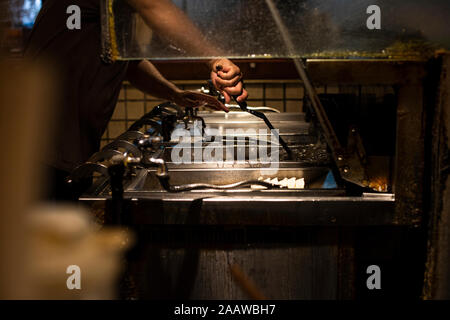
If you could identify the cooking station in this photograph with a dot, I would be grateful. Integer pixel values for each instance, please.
(215, 198)
(301, 190)
(304, 211)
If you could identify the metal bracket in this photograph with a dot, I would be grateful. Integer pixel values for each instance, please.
(86, 170)
(103, 155)
(128, 146)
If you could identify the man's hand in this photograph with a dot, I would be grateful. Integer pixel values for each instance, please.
(227, 78)
(144, 76)
(196, 100)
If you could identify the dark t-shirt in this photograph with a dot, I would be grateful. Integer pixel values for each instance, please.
(88, 87)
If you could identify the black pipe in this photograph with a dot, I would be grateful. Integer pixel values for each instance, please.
(114, 209)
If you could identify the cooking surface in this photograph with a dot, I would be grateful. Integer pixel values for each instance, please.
(305, 189)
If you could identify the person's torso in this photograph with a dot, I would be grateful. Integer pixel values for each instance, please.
(89, 88)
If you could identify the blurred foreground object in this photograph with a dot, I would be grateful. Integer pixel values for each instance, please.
(25, 116)
(37, 245)
(66, 236)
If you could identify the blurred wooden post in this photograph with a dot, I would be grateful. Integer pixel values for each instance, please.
(25, 100)
(437, 278)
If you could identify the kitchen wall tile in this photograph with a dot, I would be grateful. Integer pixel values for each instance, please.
(135, 110)
(134, 94)
(119, 111)
(274, 91)
(294, 91)
(116, 128)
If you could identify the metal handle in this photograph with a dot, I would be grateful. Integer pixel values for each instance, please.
(243, 106)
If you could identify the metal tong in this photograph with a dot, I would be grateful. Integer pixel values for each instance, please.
(244, 107)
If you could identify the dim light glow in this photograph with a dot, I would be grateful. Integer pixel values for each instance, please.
(30, 10)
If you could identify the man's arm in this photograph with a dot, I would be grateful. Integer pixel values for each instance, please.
(144, 76)
(169, 21)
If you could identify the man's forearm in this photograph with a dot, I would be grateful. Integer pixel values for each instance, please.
(170, 22)
(144, 76)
